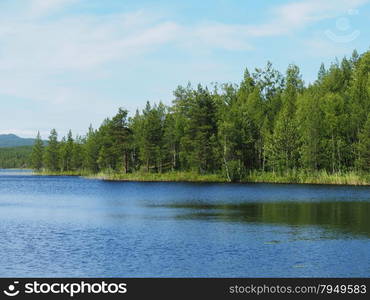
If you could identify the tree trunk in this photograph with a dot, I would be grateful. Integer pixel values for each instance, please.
(226, 166)
(174, 160)
(333, 153)
(126, 162)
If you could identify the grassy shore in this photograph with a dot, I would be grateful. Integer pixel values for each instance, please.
(63, 173)
(297, 177)
(165, 177)
(302, 177)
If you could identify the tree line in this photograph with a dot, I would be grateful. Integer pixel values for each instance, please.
(268, 122)
(15, 157)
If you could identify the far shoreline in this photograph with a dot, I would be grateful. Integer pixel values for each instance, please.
(317, 178)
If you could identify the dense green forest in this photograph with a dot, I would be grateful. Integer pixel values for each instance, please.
(269, 123)
(15, 157)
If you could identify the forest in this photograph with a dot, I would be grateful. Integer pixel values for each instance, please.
(15, 157)
(270, 123)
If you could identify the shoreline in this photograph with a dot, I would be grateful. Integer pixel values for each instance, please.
(319, 178)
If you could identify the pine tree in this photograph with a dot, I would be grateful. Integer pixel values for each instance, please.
(333, 108)
(69, 150)
(65, 152)
(360, 95)
(63, 155)
(52, 152)
(78, 154)
(310, 120)
(37, 153)
(201, 132)
(105, 159)
(118, 140)
(322, 73)
(151, 132)
(171, 143)
(285, 142)
(363, 160)
(91, 151)
(285, 137)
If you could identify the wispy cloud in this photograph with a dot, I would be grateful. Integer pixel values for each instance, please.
(84, 42)
(37, 8)
(35, 54)
(49, 57)
(321, 48)
(290, 17)
(282, 20)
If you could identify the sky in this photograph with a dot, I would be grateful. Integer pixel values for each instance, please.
(66, 64)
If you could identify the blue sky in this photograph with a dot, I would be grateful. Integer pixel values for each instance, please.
(68, 63)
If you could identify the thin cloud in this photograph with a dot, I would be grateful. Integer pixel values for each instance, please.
(322, 48)
(49, 57)
(283, 20)
(296, 15)
(38, 8)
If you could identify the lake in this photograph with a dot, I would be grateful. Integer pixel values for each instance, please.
(74, 227)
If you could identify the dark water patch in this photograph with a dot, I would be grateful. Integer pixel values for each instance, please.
(348, 217)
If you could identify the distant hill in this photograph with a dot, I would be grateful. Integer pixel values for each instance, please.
(11, 140)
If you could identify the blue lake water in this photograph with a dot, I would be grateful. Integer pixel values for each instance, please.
(75, 227)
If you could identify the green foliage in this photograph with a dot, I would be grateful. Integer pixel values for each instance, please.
(78, 154)
(65, 153)
(51, 159)
(200, 133)
(37, 154)
(91, 153)
(269, 127)
(16, 157)
(363, 160)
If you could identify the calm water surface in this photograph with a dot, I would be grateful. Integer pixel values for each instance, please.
(69, 226)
